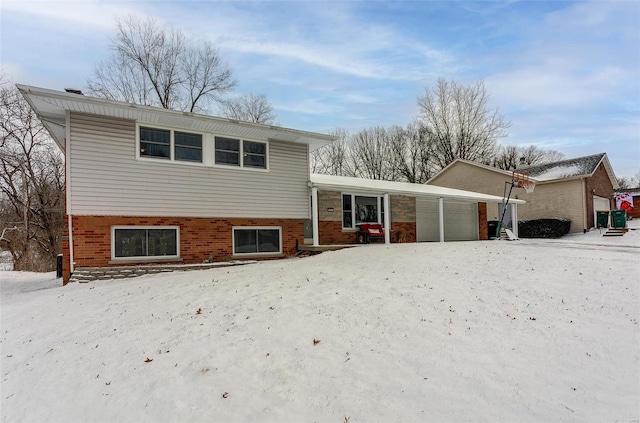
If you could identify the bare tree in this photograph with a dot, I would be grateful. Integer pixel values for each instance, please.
(334, 158)
(254, 108)
(371, 155)
(31, 186)
(460, 122)
(411, 152)
(510, 156)
(154, 66)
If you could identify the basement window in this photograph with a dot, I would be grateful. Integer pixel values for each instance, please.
(148, 242)
(257, 240)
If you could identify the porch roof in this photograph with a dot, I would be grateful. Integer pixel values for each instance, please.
(371, 186)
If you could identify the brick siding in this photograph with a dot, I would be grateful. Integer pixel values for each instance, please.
(200, 238)
(483, 225)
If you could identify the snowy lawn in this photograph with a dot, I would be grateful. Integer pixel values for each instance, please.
(530, 330)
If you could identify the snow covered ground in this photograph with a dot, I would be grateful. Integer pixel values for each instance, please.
(531, 330)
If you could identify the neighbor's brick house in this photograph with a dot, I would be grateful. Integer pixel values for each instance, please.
(574, 189)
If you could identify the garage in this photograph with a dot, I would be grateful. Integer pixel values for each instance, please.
(600, 204)
(460, 220)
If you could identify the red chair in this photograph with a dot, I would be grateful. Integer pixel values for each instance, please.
(368, 232)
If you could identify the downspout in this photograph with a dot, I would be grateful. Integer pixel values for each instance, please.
(67, 182)
(584, 204)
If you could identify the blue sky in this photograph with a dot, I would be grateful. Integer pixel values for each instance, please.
(566, 74)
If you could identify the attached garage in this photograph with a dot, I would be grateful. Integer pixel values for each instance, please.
(410, 211)
(460, 220)
(600, 204)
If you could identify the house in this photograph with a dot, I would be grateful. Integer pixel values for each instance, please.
(150, 185)
(574, 189)
(632, 194)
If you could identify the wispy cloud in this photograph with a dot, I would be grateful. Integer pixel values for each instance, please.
(565, 73)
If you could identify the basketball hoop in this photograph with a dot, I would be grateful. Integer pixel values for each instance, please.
(521, 180)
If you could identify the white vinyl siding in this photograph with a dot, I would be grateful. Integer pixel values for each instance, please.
(106, 178)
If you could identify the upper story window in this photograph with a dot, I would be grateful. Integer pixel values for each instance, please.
(171, 145)
(241, 153)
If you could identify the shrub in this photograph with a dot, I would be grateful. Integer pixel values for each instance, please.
(544, 228)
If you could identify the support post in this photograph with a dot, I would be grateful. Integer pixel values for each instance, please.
(387, 219)
(314, 216)
(441, 217)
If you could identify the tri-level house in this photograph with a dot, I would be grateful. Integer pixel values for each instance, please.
(150, 185)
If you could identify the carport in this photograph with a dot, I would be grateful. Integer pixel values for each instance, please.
(441, 214)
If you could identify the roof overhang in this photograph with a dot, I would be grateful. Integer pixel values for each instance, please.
(507, 173)
(375, 187)
(52, 106)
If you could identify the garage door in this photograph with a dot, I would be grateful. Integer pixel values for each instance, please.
(460, 221)
(599, 204)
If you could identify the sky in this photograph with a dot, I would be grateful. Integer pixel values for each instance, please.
(565, 74)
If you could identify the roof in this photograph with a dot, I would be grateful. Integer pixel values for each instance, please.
(508, 173)
(371, 186)
(571, 168)
(52, 106)
(579, 167)
(634, 191)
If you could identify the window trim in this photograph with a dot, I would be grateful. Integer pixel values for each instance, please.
(354, 225)
(241, 166)
(172, 145)
(115, 259)
(256, 228)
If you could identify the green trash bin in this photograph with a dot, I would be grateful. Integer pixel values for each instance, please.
(603, 218)
(619, 218)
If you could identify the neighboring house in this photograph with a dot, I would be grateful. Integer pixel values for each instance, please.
(634, 193)
(150, 185)
(574, 189)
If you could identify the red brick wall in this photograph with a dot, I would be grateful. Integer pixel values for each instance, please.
(405, 231)
(599, 184)
(483, 225)
(66, 263)
(330, 233)
(200, 238)
(635, 213)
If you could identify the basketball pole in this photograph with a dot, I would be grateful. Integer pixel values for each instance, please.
(506, 205)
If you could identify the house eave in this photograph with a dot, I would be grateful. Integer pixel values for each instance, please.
(375, 187)
(51, 106)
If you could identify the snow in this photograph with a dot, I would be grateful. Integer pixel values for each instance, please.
(527, 331)
(557, 172)
(5, 261)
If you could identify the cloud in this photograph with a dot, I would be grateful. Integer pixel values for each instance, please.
(76, 16)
